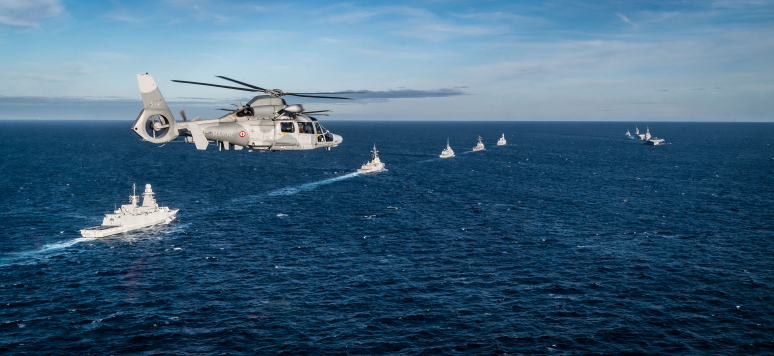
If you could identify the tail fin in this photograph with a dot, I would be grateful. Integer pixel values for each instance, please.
(155, 123)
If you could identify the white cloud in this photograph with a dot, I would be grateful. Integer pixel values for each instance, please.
(26, 14)
(625, 19)
(411, 22)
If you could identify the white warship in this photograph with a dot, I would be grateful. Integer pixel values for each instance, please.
(373, 166)
(638, 134)
(652, 140)
(479, 145)
(448, 152)
(501, 141)
(132, 217)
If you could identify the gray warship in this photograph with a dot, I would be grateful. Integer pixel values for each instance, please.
(132, 217)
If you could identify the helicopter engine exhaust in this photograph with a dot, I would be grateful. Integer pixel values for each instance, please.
(155, 122)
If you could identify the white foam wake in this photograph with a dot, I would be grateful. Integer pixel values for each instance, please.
(60, 245)
(309, 186)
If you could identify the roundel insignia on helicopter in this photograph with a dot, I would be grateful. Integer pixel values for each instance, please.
(242, 133)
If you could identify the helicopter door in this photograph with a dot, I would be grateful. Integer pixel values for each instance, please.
(306, 135)
(287, 135)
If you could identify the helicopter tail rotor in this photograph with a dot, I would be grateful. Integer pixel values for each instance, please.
(155, 123)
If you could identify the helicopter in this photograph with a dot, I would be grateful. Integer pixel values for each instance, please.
(265, 123)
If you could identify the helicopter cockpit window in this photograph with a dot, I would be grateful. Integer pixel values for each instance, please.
(305, 128)
(287, 127)
(245, 112)
(328, 137)
(320, 137)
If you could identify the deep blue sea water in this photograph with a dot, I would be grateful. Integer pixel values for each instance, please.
(569, 240)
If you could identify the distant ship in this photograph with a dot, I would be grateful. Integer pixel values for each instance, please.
(448, 152)
(373, 166)
(501, 141)
(629, 135)
(638, 134)
(479, 145)
(132, 217)
(652, 140)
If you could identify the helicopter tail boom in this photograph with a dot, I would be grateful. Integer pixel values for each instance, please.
(155, 123)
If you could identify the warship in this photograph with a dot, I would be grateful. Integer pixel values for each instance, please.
(479, 146)
(448, 152)
(501, 141)
(652, 140)
(373, 166)
(132, 216)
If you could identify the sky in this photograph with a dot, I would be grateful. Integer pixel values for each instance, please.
(415, 60)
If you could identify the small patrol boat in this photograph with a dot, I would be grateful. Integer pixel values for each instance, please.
(132, 217)
(448, 152)
(479, 145)
(501, 141)
(373, 166)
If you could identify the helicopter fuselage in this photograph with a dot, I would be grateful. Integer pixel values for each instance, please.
(284, 133)
(264, 123)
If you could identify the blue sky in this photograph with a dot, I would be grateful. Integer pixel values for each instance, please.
(460, 60)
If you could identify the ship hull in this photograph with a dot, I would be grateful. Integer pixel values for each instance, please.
(107, 230)
(371, 170)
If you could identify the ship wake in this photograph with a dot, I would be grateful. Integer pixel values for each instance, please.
(309, 186)
(301, 188)
(43, 250)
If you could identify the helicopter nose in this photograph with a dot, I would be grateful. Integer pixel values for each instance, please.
(337, 139)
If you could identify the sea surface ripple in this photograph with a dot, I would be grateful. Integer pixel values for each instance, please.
(571, 239)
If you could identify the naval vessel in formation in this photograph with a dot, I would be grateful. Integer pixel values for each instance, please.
(479, 146)
(374, 166)
(132, 217)
(649, 140)
(448, 152)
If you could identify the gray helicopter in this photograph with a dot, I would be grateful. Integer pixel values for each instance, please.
(265, 123)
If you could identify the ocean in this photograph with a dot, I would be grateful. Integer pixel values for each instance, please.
(571, 239)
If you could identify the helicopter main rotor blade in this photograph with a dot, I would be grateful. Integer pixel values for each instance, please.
(214, 85)
(238, 82)
(225, 109)
(322, 97)
(312, 112)
(338, 92)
